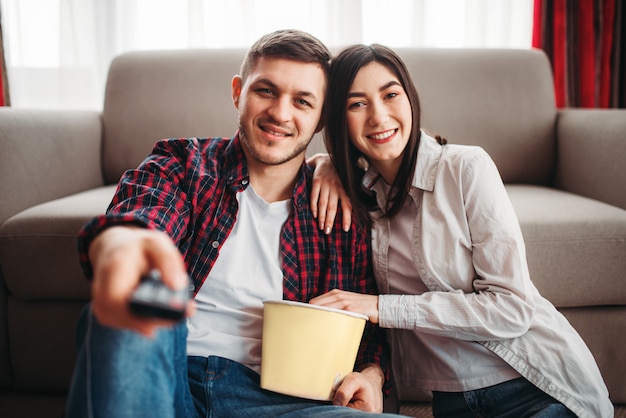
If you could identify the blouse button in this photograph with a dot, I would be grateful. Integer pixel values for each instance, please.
(215, 244)
(244, 182)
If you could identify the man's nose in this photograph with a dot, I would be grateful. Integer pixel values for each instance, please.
(281, 110)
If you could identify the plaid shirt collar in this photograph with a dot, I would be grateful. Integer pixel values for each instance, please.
(235, 171)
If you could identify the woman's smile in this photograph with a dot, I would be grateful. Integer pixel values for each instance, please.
(382, 137)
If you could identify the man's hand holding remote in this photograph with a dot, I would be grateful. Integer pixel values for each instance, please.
(120, 256)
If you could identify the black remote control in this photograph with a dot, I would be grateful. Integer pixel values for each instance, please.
(154, 299)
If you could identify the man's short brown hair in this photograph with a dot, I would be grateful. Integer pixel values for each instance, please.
(290, 44)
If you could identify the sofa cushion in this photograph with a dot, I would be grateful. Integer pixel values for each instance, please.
(45, 155)
(592, 151)
(38, 246)
(502, 100)
(575, 246)
(184, 93)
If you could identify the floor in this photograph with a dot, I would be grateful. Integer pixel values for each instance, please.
(13, 405)
(420, 410)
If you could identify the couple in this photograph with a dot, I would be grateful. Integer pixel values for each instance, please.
(222, 211)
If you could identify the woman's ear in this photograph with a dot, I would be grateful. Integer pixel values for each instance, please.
(235, 85)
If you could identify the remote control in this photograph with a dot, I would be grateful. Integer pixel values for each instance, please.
(154, 299)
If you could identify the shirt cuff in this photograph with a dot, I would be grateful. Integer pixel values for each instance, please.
(95, 226)
(397, 311)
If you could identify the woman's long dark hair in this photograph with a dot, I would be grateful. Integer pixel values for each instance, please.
(344, 154)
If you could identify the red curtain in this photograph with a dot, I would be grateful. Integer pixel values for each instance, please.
(584, 40)
(4, 85)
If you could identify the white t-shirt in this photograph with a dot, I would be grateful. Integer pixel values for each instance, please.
(229, 317)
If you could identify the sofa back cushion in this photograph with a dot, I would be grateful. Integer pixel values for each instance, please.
(500, 99)
(152, 95)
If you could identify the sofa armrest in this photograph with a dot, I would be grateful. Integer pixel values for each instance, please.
(591, 156)
(45, 155)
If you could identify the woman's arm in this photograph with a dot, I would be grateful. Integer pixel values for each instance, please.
(326, 194)
(480, 287)
(474, 261)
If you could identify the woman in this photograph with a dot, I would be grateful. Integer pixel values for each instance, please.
(466, 321)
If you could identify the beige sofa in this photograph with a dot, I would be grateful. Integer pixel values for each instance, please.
(565, 171)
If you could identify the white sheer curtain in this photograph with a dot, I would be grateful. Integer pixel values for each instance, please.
(58, 51)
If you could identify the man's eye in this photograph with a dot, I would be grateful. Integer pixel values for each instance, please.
(303, 102)
(265, 91)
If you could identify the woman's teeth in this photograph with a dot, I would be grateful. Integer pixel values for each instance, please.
(383, 135)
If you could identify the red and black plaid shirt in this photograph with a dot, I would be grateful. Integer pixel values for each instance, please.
(187, 187)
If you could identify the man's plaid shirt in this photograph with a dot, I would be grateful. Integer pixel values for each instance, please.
(187, 188)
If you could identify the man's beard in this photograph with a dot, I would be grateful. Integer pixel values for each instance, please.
(243, 136)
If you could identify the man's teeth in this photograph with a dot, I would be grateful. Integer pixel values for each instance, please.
(383, 135)
(275, 133)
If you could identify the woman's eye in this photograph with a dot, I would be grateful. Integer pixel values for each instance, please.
(392, 95)
(356, 105)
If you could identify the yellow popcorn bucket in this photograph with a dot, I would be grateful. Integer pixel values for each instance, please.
(308, 349)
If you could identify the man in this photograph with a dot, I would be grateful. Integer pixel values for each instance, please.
(234, 215)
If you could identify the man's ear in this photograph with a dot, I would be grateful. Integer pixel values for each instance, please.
(235, 86)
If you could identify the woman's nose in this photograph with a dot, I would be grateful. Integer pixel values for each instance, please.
(378, 114)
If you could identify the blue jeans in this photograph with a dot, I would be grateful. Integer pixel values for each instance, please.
(517, 398)
(120, 374)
